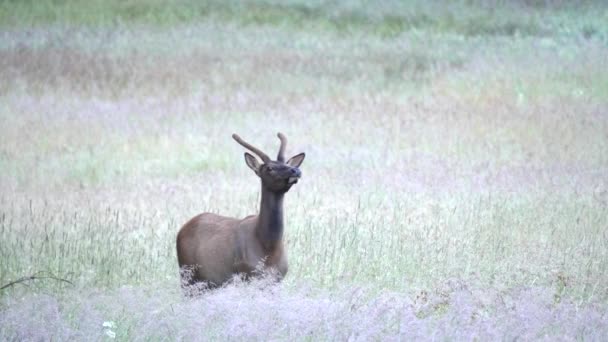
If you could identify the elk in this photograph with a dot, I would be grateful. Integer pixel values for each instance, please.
(211, 249)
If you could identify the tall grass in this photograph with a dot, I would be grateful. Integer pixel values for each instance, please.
(454, 188)
(256, 312)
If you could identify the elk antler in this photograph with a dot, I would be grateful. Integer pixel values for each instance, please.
(248, 146)
(281, 155)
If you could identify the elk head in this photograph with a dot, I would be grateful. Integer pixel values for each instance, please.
(277, 176)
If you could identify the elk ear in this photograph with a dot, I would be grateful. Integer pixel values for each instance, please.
(252, 162)
(296, 160)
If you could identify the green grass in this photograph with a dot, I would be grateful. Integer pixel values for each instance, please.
(389, 242)
(450, 147)
(388, 19)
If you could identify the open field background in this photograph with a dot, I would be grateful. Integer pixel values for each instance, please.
(455, 185)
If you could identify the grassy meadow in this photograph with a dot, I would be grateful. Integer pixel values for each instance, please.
(455, 185)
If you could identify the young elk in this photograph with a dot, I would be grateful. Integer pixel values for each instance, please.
(213, 248)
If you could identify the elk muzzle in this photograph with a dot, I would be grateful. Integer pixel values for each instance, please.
(295, 176)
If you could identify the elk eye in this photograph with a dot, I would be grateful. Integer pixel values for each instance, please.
(270, 168)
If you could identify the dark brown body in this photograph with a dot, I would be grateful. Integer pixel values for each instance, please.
(213, 248)
(217, 247)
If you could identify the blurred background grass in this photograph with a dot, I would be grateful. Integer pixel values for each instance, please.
(461, 139)
(386, 19)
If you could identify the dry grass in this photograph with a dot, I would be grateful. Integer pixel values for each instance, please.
(448, 176)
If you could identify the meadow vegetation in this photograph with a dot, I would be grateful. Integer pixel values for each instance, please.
(455, 185)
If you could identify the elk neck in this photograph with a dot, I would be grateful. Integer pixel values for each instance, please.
(269, 228)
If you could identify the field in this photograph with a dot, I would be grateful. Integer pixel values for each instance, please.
(455, 185)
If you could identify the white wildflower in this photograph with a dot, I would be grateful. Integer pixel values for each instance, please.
(109, 324)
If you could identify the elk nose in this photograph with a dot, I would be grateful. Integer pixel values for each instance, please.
(296, 172)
